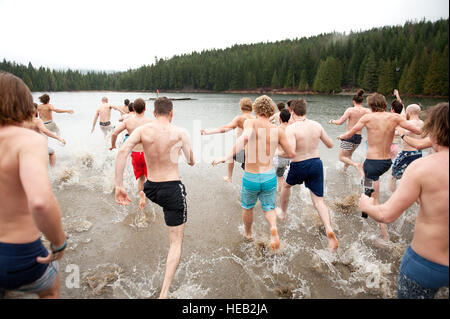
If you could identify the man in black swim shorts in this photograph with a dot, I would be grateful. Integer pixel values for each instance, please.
(380, 127)
(163, 143)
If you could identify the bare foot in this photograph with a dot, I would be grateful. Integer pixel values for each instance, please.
(248, 237)
(163, 297)
(274, 239)
(227, 179)
(360, 170)
(142, 200)
(281, 215)
(332, 241)
(384, 232)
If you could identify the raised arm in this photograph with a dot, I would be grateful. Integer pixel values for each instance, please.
(33, 171)
(135, 138)
(404, 196)
(358, 126)
(325, 138)
(343, 118)
(95, 120)
(118, 129)
(117, 108)
(397, 96)
(222, 129)
(187, 149)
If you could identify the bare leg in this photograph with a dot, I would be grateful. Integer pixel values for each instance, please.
(324, 214)
(280, 182)
(376, 201)
(52, 292)
(173, 258)
(274, 239)
(230, 173)
(52, 159)
(247, 218)
(284, 201)
(345, 157)
(141, 181)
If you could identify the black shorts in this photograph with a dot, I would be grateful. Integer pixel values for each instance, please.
(171, 196)
(373, 169)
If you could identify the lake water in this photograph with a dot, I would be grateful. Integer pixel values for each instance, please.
(120, 252)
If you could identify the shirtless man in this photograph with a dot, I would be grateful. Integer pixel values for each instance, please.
(348, 146)
(130, 112)
(238, 124)
(38, 125)
(45, 113)
(424, 267)
(163, 144)
(306, 166)
(104, 112)
(28, 207)
(408, 153)
(137, 155)
(280, 161)
(260, 139)
(124, 108)
(275, 119)
(380, 127)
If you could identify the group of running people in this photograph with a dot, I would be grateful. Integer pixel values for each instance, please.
(273, 149)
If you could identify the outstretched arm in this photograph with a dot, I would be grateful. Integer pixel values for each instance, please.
(404, 196)
(114, 135)
(33, 172)
(410, 127)
(343, 118)
(95, 120)
(222, 129)
(358, 126)
(54, 109)
(239, 146)
(117, 109)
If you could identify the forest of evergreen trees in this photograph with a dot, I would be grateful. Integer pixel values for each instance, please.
(413, 58)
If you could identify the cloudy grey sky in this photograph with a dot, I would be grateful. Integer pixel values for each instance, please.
(118, 35)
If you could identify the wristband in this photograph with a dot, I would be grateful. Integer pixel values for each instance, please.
(57, 250)
(402, 136)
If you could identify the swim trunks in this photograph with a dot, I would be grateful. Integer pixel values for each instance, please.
(126, 137)
(373, 169)
(402, 161)
(171, 196)
(138, 162)
(280, 164)
(352, 143)
(420, 278)
(105, 123)
(51, 126)
(19, 269)
(309, 171)
(262, 186)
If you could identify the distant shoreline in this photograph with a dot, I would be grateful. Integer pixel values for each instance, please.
(345, 92)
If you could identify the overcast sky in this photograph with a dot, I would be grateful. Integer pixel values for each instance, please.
(118, 35)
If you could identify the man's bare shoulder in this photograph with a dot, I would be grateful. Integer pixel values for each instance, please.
(24, 136)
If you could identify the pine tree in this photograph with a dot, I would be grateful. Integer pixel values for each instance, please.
(370, 78)
(432, 84)
(386, 80)
(275, 83)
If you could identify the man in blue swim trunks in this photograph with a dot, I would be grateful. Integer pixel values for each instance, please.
(424, 267)
(28, 207)
(306, 167)
(260, 139)
(380, 127)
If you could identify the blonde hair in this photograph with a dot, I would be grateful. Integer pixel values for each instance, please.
(264, 106)
(16, 102)
(246, 104)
